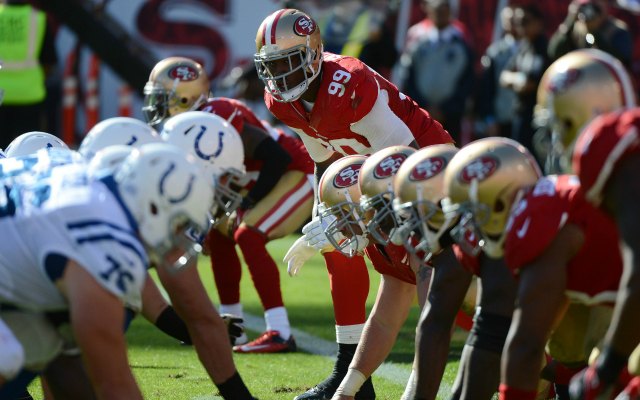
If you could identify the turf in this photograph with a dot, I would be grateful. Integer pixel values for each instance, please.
(166, 370)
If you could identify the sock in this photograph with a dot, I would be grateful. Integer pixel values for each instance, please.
(349, 280)
(264, 271)
(278, 320)
(349, 334)
(235, 309)
(170, 323)
(343, 359)
(234, 388)
(226, 267)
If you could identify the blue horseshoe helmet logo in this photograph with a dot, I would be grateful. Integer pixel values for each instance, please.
(186, 192)
(203, 155)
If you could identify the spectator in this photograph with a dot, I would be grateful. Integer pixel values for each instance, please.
(524, 71)
(27, 55)
(436, 69)
(495, 103)
(588, 24)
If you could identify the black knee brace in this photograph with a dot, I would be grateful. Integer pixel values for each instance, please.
(489, 332)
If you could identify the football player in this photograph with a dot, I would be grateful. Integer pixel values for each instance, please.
(105, 146)
(339, 196)
(339, 107)
(573, 90)
(563, 250)
(480, 193)
(276, 197)
(424, 232)
(76, 244)
(607, 160)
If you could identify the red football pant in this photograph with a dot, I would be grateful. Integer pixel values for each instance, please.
(227, 270)
(349, 281)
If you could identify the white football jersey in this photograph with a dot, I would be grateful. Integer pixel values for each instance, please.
(49, 217)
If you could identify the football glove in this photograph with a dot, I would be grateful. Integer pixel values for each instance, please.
(235, 327)
(297, 255)
(314, 233)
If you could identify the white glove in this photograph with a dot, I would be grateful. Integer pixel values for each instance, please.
(297, 255)
(314, 233)
(357, 245)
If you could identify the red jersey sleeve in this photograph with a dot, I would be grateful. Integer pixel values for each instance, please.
(537, 218)
(606, 141)
(470, 263)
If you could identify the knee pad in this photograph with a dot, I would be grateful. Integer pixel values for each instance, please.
(11, 353)
(489, 332)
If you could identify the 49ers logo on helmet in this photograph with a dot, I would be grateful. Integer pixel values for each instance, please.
(183, 73)
(304, 26)
(347, 177)
(479, 169)
(427, 169)
(389, 165)
(563, 80)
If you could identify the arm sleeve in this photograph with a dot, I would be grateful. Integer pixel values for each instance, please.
(382, 127)
(276, 160)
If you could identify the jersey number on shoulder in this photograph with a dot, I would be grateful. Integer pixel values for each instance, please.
(336, 86)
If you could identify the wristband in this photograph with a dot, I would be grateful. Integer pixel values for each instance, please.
(351, 383)
(511, 393)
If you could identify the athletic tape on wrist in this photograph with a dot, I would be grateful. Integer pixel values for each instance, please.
(351, 383)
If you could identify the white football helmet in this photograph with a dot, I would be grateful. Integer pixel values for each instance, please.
(218, 149)
(169, 195)
(30, 142)
(109, 158)
(339, 207)
(419, 191)
(287, 42)
(376, 185)
(118, 130)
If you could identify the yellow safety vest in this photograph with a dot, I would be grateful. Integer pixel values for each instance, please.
(358, 35)
(21, 35)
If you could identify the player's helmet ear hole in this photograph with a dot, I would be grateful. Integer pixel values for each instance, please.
(499, 207)
(153, 208)
(184, 100)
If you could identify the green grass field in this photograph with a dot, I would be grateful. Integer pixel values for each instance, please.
(166, 370)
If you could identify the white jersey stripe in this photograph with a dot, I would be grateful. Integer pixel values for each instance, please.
(287, 207)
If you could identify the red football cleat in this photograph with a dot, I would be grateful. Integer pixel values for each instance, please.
(268, 342)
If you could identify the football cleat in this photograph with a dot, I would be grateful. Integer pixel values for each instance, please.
(268, 342)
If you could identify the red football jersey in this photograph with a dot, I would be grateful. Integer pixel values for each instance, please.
(606, 141)
(555, 201)
(348, 91)
(468, 262)
(391, 260)
(226, 107)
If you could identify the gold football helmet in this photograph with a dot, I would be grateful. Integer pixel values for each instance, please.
(176, 85)
(339, 207)
(576, 88)
(482, 182)
(419, 191)
(376, 185)
(288, 42)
